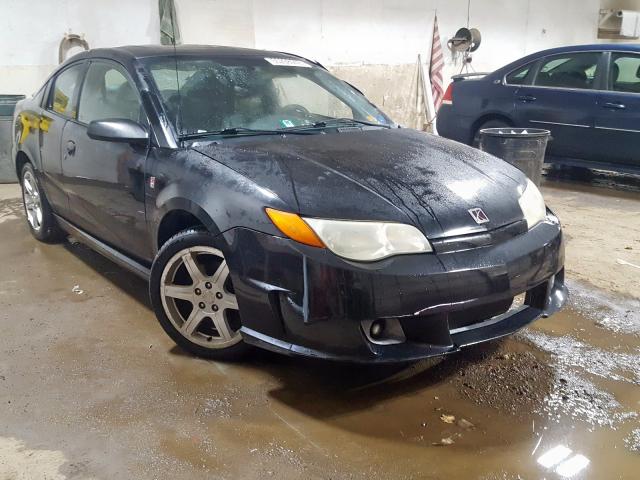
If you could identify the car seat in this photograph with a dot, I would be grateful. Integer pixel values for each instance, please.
(614, 75)
(571, 79)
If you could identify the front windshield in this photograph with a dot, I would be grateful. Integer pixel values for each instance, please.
(209, 95)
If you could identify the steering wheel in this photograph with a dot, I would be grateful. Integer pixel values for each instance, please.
(295, 109)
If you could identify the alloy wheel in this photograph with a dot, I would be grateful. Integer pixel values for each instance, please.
(198, 297)
(32, 200)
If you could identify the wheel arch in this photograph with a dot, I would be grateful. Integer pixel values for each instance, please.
(179, 214)
(487, 118)
(25, 144)
(21, 160)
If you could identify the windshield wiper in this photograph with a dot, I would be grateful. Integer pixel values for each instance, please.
(233, 131)
(333, 122)
(245, 131)
(300, 130)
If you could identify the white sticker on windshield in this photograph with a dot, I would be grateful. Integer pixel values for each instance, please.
(287, 62)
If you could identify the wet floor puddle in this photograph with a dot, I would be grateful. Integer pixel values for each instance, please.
(545, 402)
(569, 382)
(606, 183)
(538, 404)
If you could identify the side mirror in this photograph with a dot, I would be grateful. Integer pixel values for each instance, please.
(118, 130)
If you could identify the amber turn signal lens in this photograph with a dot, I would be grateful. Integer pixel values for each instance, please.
(294, 227)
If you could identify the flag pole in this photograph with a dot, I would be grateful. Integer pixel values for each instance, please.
(430, 107)
(420, 95)
(426, 84)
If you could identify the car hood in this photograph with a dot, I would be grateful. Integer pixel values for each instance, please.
(387, 175)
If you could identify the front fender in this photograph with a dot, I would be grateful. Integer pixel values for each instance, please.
(219, 197)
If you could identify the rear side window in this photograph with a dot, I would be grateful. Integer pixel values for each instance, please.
(65, 90)
(574, 70)
(519, 76)
(108, 94)
(625, 73)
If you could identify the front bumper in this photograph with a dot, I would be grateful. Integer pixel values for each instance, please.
(301, 300)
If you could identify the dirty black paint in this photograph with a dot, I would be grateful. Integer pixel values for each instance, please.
(305, 300)
(390, 175)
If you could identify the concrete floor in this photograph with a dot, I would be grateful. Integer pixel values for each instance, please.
(91, 387)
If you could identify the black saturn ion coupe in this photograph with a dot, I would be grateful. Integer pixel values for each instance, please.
(271, 204)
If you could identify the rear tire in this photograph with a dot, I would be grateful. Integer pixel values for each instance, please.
(42, 223)
(193, 297)
(475, 142)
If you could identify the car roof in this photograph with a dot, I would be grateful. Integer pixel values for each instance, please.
(599, 47)
(624, 47)
(132, 52)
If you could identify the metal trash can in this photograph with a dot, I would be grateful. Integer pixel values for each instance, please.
(523, 148)
(7, 106)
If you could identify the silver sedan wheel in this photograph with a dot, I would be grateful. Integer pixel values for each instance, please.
(197, 298)
(32, 200)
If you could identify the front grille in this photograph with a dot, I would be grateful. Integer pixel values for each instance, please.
(438, 329)
(435, 329)
(478, 240)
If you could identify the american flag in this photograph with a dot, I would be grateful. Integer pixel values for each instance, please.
(437, 65)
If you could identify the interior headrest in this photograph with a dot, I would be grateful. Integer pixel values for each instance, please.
(615, 72)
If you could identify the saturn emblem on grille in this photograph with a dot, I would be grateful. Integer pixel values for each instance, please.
(479, 216)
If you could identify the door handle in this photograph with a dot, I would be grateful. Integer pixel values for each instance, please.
(614, 106)
(527, 98)
(71, 147)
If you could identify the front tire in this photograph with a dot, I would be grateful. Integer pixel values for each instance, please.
(193, 297)
(40, 218)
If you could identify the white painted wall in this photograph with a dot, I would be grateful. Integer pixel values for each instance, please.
(30, 33)
(335, 32)
(361, 39)
(356, 37)
(338, 32)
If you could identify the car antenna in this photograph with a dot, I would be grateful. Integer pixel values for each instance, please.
(178, 123)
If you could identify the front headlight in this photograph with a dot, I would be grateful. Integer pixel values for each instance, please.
(532, 204)
(354, 240)
(369, 241)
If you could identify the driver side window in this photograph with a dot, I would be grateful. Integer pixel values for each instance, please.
(108, 94)
(302, 91)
